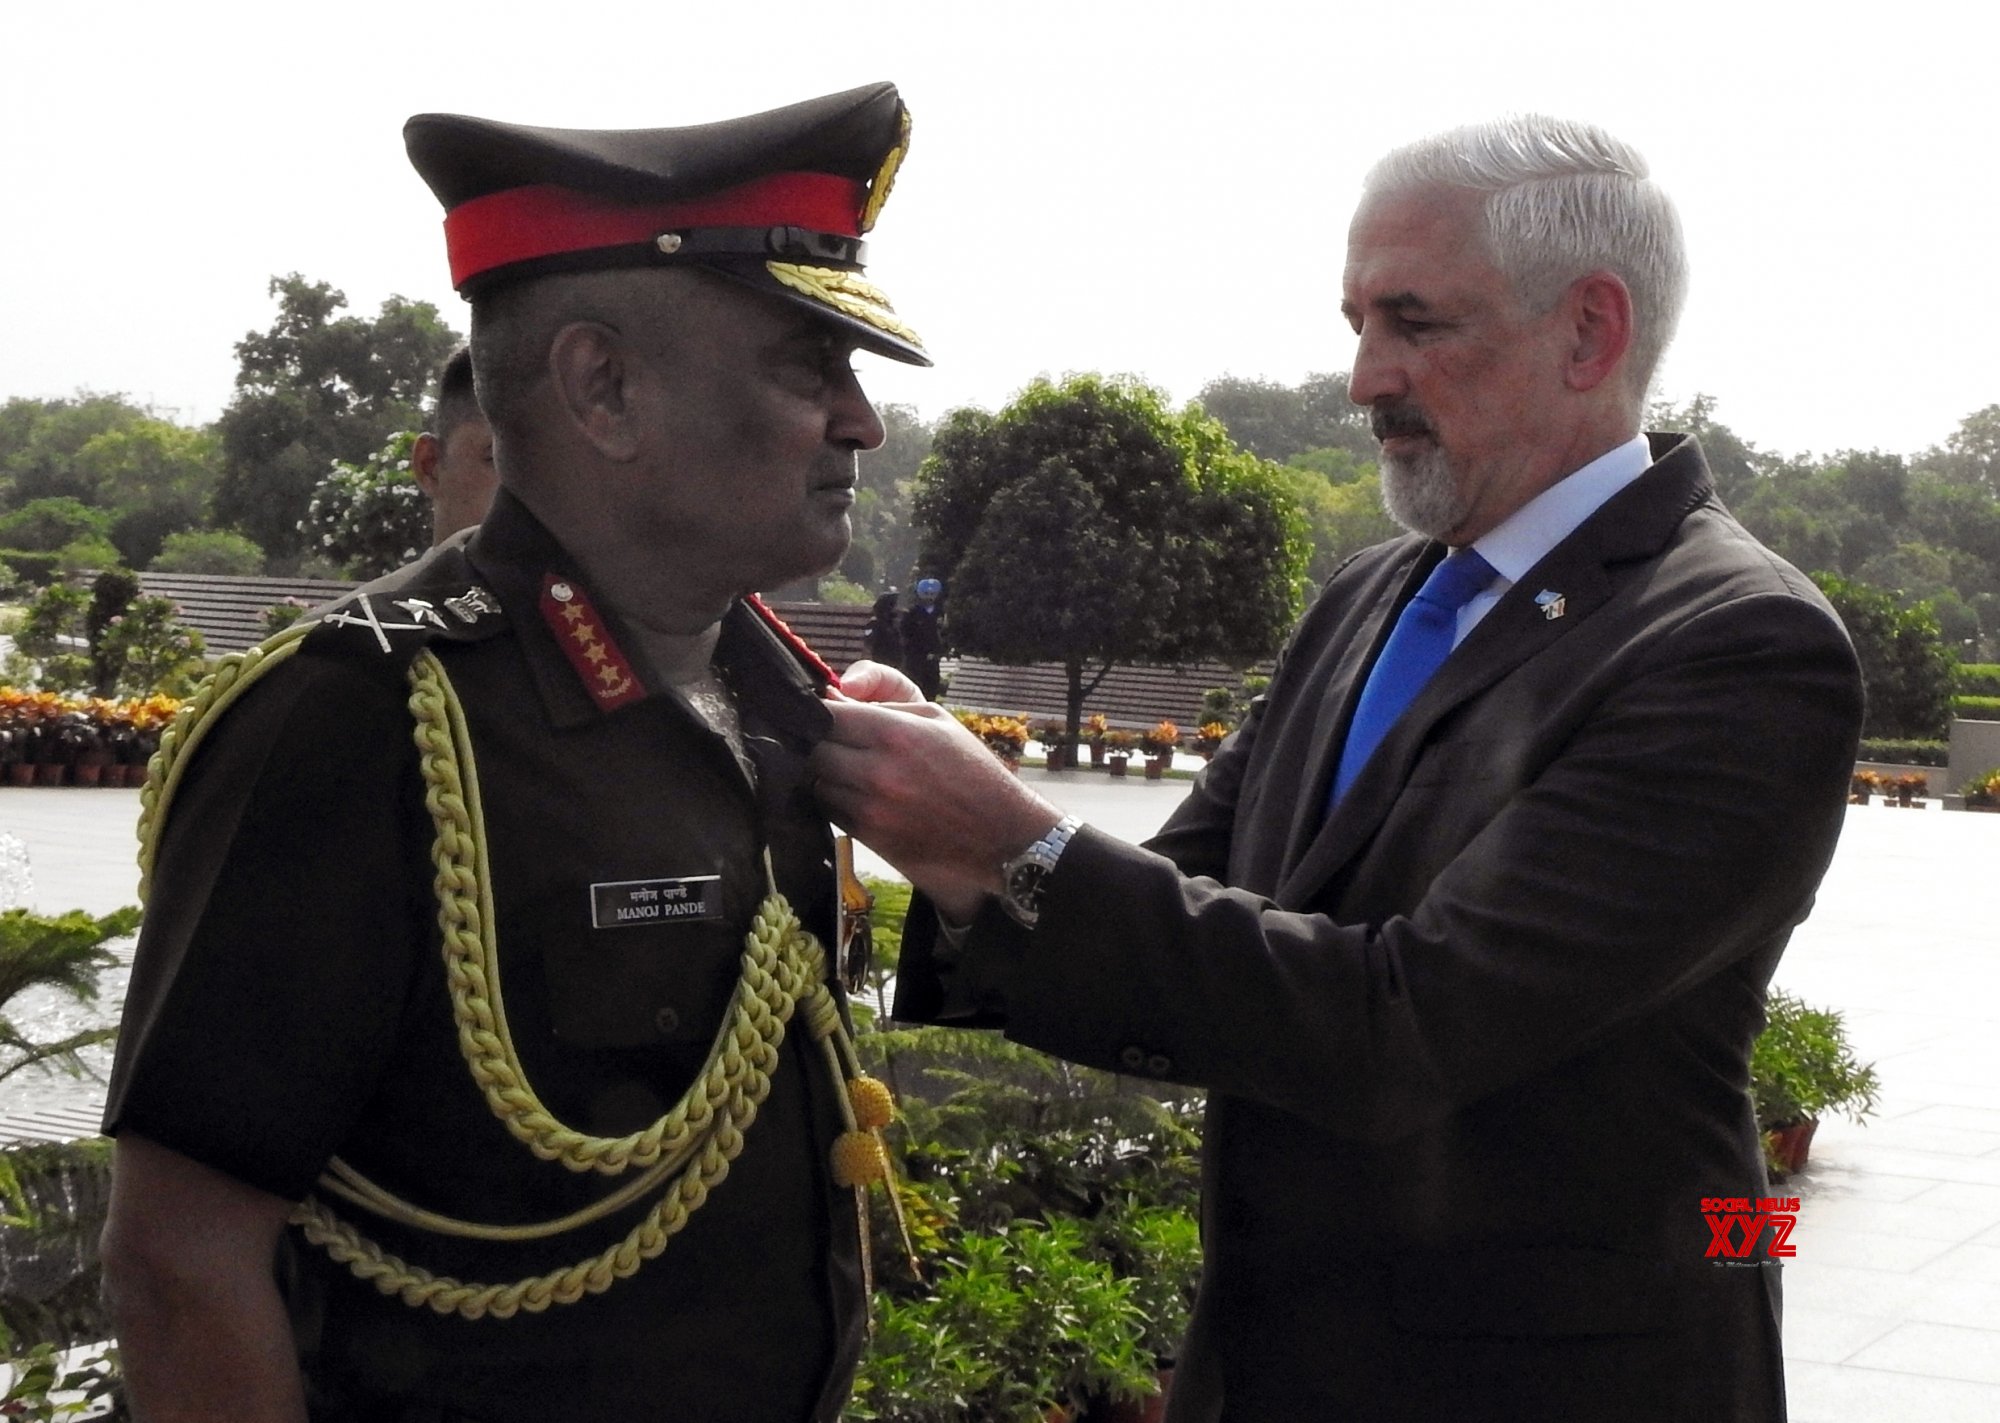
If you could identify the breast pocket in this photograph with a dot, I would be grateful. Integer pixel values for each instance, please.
(654, 966)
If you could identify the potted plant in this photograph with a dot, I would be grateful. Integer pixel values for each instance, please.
(1800, 1067)
(1118, 751)
(1057, 748)
(15, 725)
(1095, 728)
(1006, 737)
(1909, 787)
(1863, 785)
(1208, 739)
(1982, 792)
(150, 718)
(1160, 742)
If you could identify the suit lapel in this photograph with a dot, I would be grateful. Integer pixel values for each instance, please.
(1636, 523)
(1343, 669)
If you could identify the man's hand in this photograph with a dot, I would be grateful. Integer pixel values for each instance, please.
(878, 682)
(927, 796)
(188, 1251)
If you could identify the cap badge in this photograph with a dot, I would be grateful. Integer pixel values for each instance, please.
(588, 644)
(1551, 604)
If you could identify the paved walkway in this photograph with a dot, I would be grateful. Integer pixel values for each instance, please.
(1893, 1302)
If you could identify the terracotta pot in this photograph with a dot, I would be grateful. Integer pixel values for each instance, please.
(51, 773)
(87, 775)
(1117, 764)
(1790, 1144)
(1156, 767)
(20, 773)
(134, 773)
(1146, 1410)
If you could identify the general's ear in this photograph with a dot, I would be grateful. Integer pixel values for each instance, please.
(424, 457)
(1600, 311)
(592, 372)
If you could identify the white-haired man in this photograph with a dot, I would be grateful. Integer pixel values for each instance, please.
(1467, 930)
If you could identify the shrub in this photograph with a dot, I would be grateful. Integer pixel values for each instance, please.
(1982, 789)
(372, 517)
(1054, 1209)
(1976, 708)
(1906, 753)
(1802, 1066)
(1977, 679)
(50, 524)
(210, 551)
(30, 565)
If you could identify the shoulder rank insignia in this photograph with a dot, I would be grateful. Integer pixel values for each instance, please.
(1551, 603)
(585, 640)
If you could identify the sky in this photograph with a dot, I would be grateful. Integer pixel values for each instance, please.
(1160, 189)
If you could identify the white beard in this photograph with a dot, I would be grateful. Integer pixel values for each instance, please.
(1421, 493)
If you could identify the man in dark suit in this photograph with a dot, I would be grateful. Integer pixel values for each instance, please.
(1470, 956)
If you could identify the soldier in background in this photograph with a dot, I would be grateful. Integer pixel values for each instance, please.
(453, 460)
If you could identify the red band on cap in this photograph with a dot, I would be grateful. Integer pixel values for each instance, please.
(521, 224)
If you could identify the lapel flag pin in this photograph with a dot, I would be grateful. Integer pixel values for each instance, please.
(1551, 604)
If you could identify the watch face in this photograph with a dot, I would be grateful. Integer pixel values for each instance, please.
(1024, 882)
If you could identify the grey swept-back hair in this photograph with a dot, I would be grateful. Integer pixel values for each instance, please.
(1563, 198)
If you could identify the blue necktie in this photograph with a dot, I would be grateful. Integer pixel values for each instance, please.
(1417, 647)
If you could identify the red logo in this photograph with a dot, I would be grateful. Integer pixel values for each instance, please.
(1737, 1223)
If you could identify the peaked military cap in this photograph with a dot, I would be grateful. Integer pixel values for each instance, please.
(778, 200)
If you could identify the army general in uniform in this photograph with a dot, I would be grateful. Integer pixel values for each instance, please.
(450, 894)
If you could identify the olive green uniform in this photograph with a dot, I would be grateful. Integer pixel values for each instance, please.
(289, 1002)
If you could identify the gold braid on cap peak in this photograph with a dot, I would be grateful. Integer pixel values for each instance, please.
(885, 176)
(848, 294)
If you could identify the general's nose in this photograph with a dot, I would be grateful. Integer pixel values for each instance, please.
(855, 423)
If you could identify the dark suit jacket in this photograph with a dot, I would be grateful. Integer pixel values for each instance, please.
(1477, 1045)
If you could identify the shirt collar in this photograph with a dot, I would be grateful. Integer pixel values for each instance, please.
(1527, 535)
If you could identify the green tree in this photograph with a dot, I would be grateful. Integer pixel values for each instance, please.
(315, 388)
(49, 524)
(1972, 454)
(1906, 670)
(154, 477)
(41, 439)
(1087, 524)
(885, 543)
(371, 517)
(1279, 422)
(1733, 461)
(209, 551)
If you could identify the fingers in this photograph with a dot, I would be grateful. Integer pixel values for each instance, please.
(876, 682)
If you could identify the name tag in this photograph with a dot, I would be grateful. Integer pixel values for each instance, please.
(619, 905)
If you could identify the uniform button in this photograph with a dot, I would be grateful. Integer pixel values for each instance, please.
(1133, 1058)
(1159, 1064)
(666, 1020)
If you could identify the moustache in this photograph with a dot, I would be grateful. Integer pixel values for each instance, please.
(1390, 421)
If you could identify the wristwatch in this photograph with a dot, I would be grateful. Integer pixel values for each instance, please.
(1021, 877)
